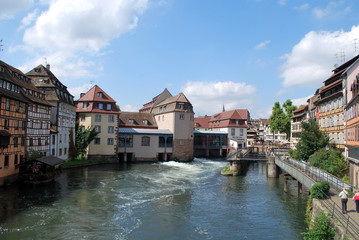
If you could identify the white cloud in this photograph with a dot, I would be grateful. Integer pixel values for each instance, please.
(282, 2)
(332, 7)
(29, 19)
(69, 29)
(10, 7)
(302, 7)
(312, 59)
(262, 44)
(76, 91)
(209, 97)
(129, 108)
(301, 101)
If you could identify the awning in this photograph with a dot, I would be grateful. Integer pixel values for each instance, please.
(4, 133)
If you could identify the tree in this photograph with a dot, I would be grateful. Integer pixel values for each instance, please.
(277, 119)
(311, 140)
(289, 109)
(333, 159)
(84, 137)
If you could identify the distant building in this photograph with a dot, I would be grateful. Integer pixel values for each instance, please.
(300, 115)
(234, 123)
(96, 109)
(147, 107)
(202, 123)
(13, 117)
(63, 112)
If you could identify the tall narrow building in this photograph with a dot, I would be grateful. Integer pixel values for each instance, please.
(176, 114)
(63, 112)
(13, 109)
(96, 109)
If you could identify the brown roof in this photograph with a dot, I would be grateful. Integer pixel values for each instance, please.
(46, 81)
(28, 90)
(334, 84)
(93, 100)
(178, 98)
(201, 122)
(237, 114)
(138, 118)
(159, 98)
(300, 109)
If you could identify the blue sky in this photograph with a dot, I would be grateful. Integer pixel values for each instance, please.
(237, 53)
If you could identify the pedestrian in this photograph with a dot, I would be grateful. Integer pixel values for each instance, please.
(344, 197)
(356, 200)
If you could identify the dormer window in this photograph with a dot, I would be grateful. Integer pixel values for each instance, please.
(100, 106)
(181, 106)
(145, 122)
(85, 105)
(237, 122)
(131, 121)
(108, 106)
(100, 94)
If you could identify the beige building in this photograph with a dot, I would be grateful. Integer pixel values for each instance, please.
(96, 109)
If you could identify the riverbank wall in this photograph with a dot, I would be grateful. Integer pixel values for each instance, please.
(318, 207)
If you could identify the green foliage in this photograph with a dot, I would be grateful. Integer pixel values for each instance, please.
(226, 169)
(280, 121)
(320, 229)
(80, 161)
(319, 189)
(84, 138)
(32, 155)
(333, 158)
(311, 140)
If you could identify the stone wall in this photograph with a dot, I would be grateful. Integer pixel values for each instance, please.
(183, 152)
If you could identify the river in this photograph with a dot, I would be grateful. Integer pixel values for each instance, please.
(154, 201)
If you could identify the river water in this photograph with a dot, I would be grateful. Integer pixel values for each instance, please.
(154, 201)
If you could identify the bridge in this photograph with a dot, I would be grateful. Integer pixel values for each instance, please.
(304, 174)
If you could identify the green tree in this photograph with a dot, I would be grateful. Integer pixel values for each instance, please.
(311, 140)
(84, 137)
(333, 158)
(289, 109)
(277, 119)
(320, 229)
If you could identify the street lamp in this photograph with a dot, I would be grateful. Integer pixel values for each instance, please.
(327, 148)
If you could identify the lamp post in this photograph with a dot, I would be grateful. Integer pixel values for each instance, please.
(327, 148)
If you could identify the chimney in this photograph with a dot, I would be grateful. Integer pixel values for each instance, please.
(48, 66)
(82, 94)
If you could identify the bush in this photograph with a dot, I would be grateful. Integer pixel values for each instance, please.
(319, 229)
(319, 190)
(332, 159)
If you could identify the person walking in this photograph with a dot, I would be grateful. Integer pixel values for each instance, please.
(356, 200)
(344, 197)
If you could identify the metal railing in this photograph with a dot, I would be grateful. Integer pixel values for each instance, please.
(349, 224)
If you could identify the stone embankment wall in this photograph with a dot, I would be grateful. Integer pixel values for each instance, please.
(318, 207)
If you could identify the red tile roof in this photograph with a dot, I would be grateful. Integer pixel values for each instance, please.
(92, 96)
(201, 122)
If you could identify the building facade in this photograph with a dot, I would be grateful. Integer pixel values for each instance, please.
(96, 109)
(63, 112)
(299, 115)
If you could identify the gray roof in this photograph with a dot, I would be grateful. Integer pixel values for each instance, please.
(202, 132)
(50, 160)
(141, 131)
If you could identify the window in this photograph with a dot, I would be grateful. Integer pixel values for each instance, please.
(39, 141)
(111, 118)
(237, 122)
(16, 161)
(23, 125)
(181, 142)
(65, 151)
(131, 121)
(82, 128)
(60, 152)
(100, 94)
(98, 118)
(53, 139)
(83, 117)
(97, 141)
(125, 141)
(98, 128)
(16, 124)
(241, 132)
(181, 106)
(100, 106)
(6, 162)
(6, 123)
(85, 105)
(109, 141)
(109, 106)
(233, 131)
(110, 129)
(24, 108)
(17, 106)
(15, 142)
(181, 116)
(22, 141)
(145, 122)
(60, 138)
(145, 141)
(7, 104)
